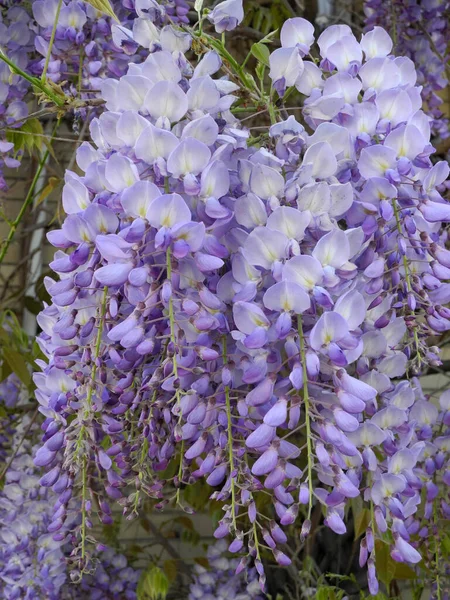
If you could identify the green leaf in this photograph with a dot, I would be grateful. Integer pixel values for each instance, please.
(153, 584)
(385, 565)
(5, 371)
(170, 569)
(191, 537)
(103, 6)
(268, 39)
(28, 136)
(202, 561)
(32, 305)
(445, 544)
(402, 571)
(52, 184)
(261, 53)
(260, 69)
(198, 5)
(362, 520)
(186, 522)
(18, 365)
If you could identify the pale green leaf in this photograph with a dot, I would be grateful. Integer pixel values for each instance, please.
(261, 53)
(385, 565)
(103, 6)
(153, 584)
(170, 569)
(362, 520)
(17, 364)
(52, 184)
(28, 136)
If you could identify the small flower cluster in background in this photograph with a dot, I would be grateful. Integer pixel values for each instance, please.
(32, 561)
(421, 32)
(112, 578)
(221, 581)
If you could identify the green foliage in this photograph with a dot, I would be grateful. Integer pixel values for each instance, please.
(28, 136)
(198, 5)
(362, 521)
(103, 6)
(261, 52)
(170, 568)
(17, 363)
(52, 184)
(32, 305)
(445, 543)
(266, 19)
(153, 584)
(111, 533)
(16, 356)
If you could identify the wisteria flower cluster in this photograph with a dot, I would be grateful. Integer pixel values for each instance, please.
(253, 314)
(70, 44)
(421, 31)
(32, 561)
(219, 580)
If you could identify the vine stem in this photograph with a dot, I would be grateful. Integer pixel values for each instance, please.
(307, 411)
(374, 529)
(174, 360)
(255, 536)
(50, 45)
(19, 445)
(407, 278)
(436, 554)
(33, 80)
(230, 438)
(87, 411)
(28, 200)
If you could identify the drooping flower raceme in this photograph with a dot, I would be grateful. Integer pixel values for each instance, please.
(246, 314)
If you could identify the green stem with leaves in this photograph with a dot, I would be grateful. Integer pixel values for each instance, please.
(407, 279)
(373, 524)
(255, 537)
(28, 199)
(436, 553)
(230, 439)
(87, 411)
(50, 44)
(58, 100)
(307, 408)
(174, 359)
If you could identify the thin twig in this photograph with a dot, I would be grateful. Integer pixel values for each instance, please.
(164, 542)
(55, 139)
(19, 445)
(27, 201)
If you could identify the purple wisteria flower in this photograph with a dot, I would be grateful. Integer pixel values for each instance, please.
(253, 316)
